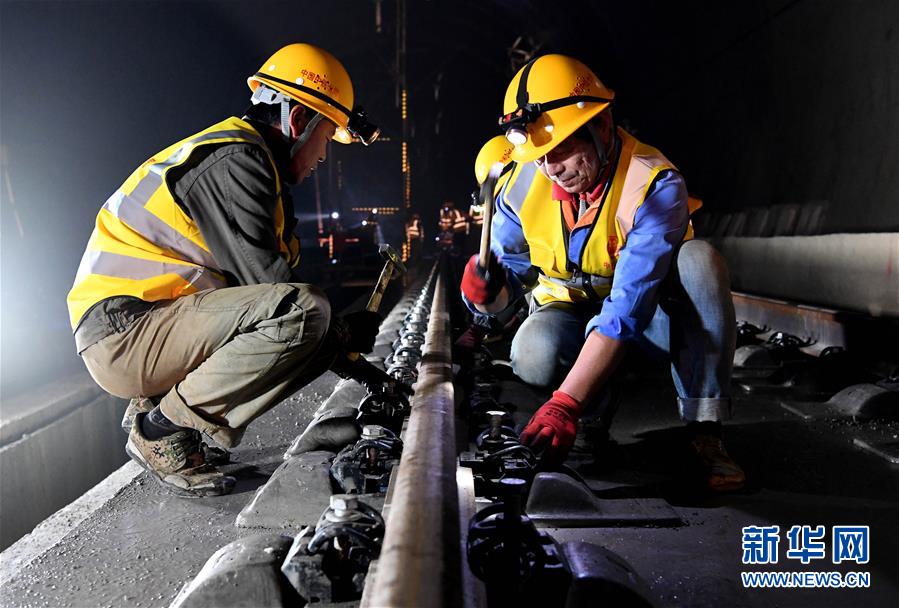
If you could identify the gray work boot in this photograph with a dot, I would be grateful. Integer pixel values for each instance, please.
(176, 462)
(142, 405)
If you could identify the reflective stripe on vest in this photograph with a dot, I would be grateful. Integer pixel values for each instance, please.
(145, 246)
(515, 190)
(126, 267)
(459, 222)
(604, 227)
(413, 230)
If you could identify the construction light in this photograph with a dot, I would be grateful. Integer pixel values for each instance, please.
(361, 128)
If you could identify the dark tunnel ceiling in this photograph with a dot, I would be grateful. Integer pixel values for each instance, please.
(457, 67)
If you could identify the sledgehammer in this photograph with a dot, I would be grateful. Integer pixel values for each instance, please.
(487, 194)
(392, 262)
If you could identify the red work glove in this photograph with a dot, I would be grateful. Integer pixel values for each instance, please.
(472, 338)
(482, 286)
(553, 427)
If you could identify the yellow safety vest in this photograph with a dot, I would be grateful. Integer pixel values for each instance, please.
(413, 230)
(460, 224)
(144, 245)
(529, 194)
(451, 219)
(476, 213)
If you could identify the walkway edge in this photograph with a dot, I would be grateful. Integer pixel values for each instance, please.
(56, 527)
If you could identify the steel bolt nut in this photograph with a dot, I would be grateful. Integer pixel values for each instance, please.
(372, 431)
(343, 502)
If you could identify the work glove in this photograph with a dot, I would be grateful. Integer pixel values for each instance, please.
(472, 339)
(553, 427)
(481, 286)
(361, 330)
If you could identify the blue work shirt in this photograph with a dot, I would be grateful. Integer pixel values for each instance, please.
(644, 261)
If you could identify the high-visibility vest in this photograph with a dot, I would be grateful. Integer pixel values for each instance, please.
(413, 230)
(528, 193)
(447, 219)
(460, 224)
(144, 245)
(476, 213)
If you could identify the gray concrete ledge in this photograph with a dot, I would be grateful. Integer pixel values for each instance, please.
(855, 272)
(54, 528)
(57, 443)
(39, 407)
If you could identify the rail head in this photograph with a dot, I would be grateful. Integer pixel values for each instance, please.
(420, 560)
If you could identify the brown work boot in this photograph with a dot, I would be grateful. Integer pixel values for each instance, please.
(722, 474)
(138, 405)
(142, 405)
(177, 462)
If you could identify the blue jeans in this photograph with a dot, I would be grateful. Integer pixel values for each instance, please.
(693, 328)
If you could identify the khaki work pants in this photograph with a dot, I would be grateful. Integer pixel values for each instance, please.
(219, 358)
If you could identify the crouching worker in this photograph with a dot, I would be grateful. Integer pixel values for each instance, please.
(605, 221)
(185, 300)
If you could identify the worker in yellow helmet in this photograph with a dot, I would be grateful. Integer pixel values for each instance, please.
(185, 298)
(497, 150)
(605, 221)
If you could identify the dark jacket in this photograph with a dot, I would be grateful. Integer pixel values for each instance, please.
(231, 193)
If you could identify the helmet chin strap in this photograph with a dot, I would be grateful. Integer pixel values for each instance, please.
(269, 96)
(307, 132)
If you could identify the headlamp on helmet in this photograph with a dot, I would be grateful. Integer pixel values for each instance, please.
(360, 128)
(515, 124)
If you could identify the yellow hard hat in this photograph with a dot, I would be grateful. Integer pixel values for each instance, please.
(316, 79)
(496, 150)
(550, 98)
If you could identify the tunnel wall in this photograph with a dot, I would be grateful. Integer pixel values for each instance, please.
(778, 102)
(55, 443)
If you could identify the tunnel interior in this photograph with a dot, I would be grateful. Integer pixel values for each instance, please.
(781, 115)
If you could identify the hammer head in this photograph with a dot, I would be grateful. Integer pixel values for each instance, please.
(387, 252)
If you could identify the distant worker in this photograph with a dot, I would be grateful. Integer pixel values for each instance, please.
(185, 299)
(415, 236)
(452, 224)
(605, 221)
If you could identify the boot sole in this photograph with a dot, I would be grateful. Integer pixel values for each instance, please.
(136, 456)
(726, 485)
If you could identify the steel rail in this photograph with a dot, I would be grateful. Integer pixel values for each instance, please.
(421, 560)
